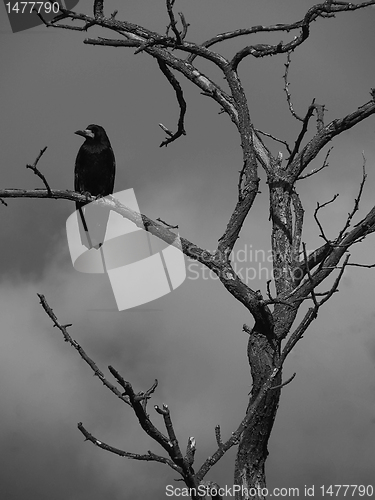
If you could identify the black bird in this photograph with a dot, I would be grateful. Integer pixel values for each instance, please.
(94, 174)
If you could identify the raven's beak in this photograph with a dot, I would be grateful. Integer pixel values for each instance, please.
(86, 133)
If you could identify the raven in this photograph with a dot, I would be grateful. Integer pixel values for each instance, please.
(94, 174)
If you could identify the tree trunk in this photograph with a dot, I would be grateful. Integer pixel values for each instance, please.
(249, 474)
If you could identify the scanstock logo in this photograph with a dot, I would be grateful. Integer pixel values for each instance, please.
(140, 267)
(24, 15)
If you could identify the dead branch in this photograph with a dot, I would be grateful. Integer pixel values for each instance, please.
(138, 402)
(284, 383)
(82, 353)
(312, 15)
(286, 88)
(326, 134)
(171, 447)
(149, 457)
(177, 462)
(275, 139)
(305, 123)
(262, 50)
(172, 22)
(169, 226)
(368, 266)
(356, 201)
(181, 102)
(319, 207)
(316, 170)
(37, 172)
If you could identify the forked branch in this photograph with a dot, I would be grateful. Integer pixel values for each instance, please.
(181, 102)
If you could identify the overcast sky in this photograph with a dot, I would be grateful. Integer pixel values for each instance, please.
(191, 340)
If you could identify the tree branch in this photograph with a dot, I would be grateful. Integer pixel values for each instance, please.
(356, 201)
(326, 134)
(311, 15)
(305, 123)
(181, 102)
(310, 315)
(82, 353)
(150, 457)
(216, 262)
(138, 403)
(319, 207)
(37, 172)
(286, 89)
(173, 22)
(316, 170)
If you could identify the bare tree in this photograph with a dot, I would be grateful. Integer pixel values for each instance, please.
(297, 274)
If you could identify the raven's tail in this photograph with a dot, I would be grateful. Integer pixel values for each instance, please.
(83, 230)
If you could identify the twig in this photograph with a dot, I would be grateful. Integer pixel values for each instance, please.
(286, 88)
(166, 224)
(173, 23)
(316, 170)
(169, 445)
(275, 139)
(298, 332)
(181, 101)
(302, 134)
(185, 25)
(173, 441)
(284, 383)
(356, 200)
(38, 172)
(135, 456)
(368, 266)
(147, 394)
(89, 22)
(335, 285)
(320, 139)
(319, 207)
